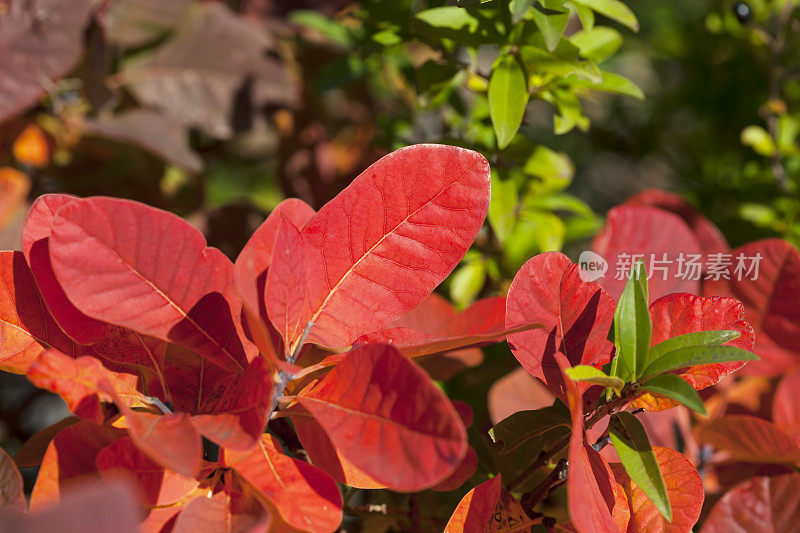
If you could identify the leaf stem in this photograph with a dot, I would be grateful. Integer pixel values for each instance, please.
(560, 445)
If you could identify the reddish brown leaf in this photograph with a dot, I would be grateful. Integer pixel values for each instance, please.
(576, 316)
(651, 234)
(384, 243)
(305, 496)
(591, 488)
(760, 505)
(750, 439)
(192, 79)
(36, 247)
(770, 300)
(150, 271)
(12, 494)
(406, 441)
(134, 23)
(684, 490)
(786, 405)
(40, 42)
(707, 234)
(157, 486)
(678, 314)
(150, 130)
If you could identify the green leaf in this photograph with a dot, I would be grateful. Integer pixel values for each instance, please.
(523, 426)
(615, 84)
(693, 356)
(467, 282)
(633, 447)
(585, 14)
(502, 207)
(508, 96)
(632, 326)
(697, 338)
(675, 387)
(336, 32)
(518, 9)
(554, 169)
(759, 140)
(455, 23)
(590, 374)
(541, 60)
(613, 9)
(552, 26)
(597, 44)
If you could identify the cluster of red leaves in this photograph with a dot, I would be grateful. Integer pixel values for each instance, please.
(157, 342)
(753, 422)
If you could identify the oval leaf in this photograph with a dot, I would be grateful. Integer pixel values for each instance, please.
(150, 271)
(576, 316)
(383, 244)
(406, 441)
(508, 96)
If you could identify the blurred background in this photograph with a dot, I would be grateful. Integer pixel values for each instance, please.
(219, 110)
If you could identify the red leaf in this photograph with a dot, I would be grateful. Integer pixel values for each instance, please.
(517, 391)
(228, 511)
(83, 383)
(250, 270)
(32, 452)
(786, 405)
(406, 441)
(12, 494)
(70, 459)
(36, 247)
(760, 505)
(150, 271)
(591, 489)
(750, 439)
(476, 509)
(434, 327)
(98, 508)
(576, 316)
(157, 486)
(305, 496)
(384, 243)
(707, 234)
(461, 474)
(684, 490)
(283, 293)
(324, 454)
(26, 326)
(489, 508)
(170, 439)
(650, 233)
(770, 300)
(235, 416)
(678, 314)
